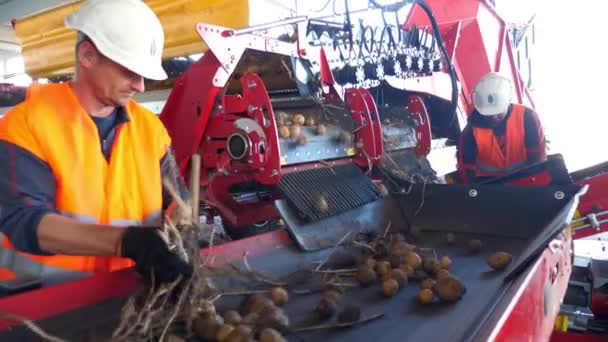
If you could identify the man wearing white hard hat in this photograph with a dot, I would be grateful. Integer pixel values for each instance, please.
(500, 136)
(80, 185)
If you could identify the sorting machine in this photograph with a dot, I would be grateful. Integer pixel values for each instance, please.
(386, 99)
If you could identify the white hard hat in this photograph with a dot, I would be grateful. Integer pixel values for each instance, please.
(492, 94)
(125, 31)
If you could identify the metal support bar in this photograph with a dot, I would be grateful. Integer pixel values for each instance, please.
(262, 27)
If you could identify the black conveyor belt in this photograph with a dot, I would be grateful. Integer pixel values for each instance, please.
(404, 319)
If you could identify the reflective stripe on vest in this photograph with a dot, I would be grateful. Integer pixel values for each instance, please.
(152, 219)
(491, 161)
(26, 266)
(126, 190)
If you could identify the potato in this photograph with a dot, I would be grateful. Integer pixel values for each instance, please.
(395, 260)
(399, 276)
(282, 116)
(449, 289)
(325, 309)
(383, 268)
(407, 269)
(445, 262)
(390, 287)
(273, 317)
(321, 204)
(396, 236)
(251, 318)
(301, 140)
(442, 273)
(369, 261)
(425, 296)
(284, 132)
(334, 295)
(175, 338)
(279, 295)
(240, 333)
(427, 283)
(366, 276)
(271, 335)
(431, 265)
(350, 314)
(310, 121)
(255, 303)
(207, 325)
(413, 259)
(499, 260)
(415, 231)
(450, 238)
(345, 137)
(383, 190)
(224, 331)
(299, 119)
(399, 248)
(232, 317)
(475, 246)
(294, 131)
(321, 129)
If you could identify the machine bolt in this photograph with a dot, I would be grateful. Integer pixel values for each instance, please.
(559, 195)
(473, 193)
(252, 84)
(251, 108)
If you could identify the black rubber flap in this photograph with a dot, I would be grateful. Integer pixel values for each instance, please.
(535, 215)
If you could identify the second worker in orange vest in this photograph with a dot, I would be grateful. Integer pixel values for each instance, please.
(500, 136)
(82, 162)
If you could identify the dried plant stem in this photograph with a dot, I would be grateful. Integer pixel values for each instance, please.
(364, 245)
(334, 250)
(345, 270)
(32, 326)
(388, 227)
(244, 292)
(177, 308)
(421, 199)
(175, 195)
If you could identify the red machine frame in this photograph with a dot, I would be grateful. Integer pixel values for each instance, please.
(198, 107)
(477, 44)
(521, 317)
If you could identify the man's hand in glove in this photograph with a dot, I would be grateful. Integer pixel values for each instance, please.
(149, 251)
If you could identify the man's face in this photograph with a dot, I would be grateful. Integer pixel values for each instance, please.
(113, 84)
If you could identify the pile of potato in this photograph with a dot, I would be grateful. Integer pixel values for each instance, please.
(290, 126)
(389, 262)
(395, 262)
(259, 317)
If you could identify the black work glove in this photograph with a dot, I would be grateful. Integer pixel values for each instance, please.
(146, 247)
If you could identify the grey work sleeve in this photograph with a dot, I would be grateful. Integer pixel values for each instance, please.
(27, 193)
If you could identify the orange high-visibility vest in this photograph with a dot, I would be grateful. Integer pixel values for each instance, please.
(491, 161)
(127, 190)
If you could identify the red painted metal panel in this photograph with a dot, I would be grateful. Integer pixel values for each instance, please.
(531, 316)
(54, 300)
(483, 45)
(577, 337)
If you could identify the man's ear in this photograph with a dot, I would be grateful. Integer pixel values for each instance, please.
(88, 56)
